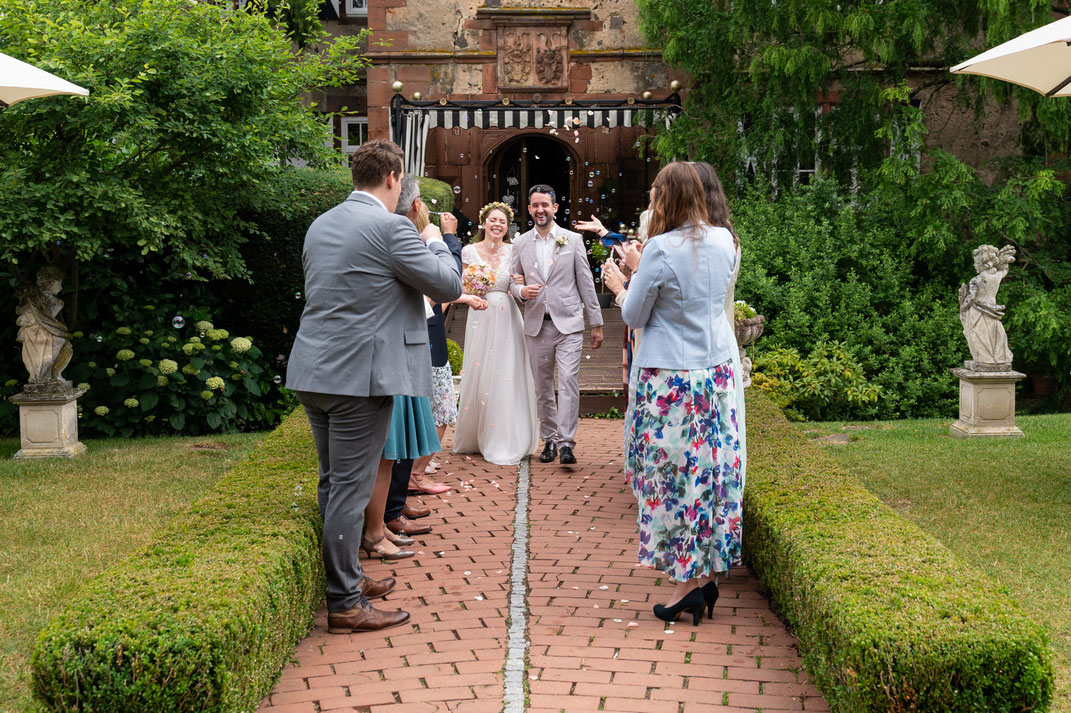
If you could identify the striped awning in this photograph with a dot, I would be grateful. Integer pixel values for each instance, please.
(512, 117)
(410, 120)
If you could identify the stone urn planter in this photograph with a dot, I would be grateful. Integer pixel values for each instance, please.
(457, 387)
(747, 332)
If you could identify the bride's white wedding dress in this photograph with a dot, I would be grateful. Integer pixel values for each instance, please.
(497, 416)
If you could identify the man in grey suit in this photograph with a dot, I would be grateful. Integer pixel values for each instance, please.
(363, 340)
(553, 279)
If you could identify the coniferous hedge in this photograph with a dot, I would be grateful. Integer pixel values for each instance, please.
(888, 618)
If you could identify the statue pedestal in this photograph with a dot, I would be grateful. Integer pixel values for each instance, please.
(48, 423)
(986, 403)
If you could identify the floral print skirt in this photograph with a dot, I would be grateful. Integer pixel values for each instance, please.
(682, 460)
(443, 398)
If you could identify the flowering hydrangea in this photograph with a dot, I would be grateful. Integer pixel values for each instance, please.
(145, 362)
(148, 332)
(215, 383)
(101, 410)
(207, 395)
(191, 370)
(11, 382)
(217, 348)
(167, 366)
(77, 335)
(199, 347)
(161, 381)
(187, 349)
(216, 334)
(124, 355)
(241, 345)
(109, 371)
(143, 340)
(233, 365)
(83, 386)
(130, 403)
(203, 326)
(92, 365)
(123, 330)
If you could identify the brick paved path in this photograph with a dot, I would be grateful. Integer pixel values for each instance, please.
(594, 643)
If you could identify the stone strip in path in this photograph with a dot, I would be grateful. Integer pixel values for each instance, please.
(593, 642)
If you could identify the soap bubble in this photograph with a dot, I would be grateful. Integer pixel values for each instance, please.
(100, 338)
(591, 174)
(590, 183)
(178, 322)
(457, 190)
(278, 379)
(297, 295)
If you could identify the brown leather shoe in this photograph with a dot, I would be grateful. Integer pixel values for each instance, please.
(415, 513)
(362, 617)
(404, 526)
(376, 588)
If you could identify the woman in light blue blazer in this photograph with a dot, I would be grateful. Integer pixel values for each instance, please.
(683, 453)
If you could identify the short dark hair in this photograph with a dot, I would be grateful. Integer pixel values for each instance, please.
(542, 188)
(373, 161)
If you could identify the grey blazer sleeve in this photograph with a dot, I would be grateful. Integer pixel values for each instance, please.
(430, 269)
(585, 284)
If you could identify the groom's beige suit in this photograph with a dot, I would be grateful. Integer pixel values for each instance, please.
(554, 323)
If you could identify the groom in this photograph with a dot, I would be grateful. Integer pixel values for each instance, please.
(553, 279)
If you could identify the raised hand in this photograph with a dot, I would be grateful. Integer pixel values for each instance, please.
(632, 255)
(449, 223)
(430, 232)
(594, 225)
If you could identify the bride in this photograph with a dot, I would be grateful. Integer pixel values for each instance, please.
(497, 414)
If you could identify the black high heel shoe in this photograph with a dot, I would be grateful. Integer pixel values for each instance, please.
(692, 602)
(710, 597)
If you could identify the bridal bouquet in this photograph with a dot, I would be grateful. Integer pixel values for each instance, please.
(477, 279)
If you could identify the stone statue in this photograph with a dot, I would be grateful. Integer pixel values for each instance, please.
(980, 313)
(45, 348)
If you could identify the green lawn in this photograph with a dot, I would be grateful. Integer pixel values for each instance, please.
(1002, 504)
(67, 520)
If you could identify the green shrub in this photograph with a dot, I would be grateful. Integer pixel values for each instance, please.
(888, 618)
(207, 615)
(162, 371)
(437, 195)
(456, 356)
(822, 270)
(824, 386)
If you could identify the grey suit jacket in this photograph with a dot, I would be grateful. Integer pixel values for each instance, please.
(568, 288)
(363, 331)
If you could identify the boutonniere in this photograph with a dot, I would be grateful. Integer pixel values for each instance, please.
(561, 240)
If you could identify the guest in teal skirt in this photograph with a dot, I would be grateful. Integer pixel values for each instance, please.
(411, 435)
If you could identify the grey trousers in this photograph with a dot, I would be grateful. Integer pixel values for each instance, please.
(349, 432)
(557, 418)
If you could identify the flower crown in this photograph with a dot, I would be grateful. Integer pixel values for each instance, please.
(493, 205)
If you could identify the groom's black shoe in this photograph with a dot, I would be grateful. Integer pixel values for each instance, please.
(566, 456)
(549, 451)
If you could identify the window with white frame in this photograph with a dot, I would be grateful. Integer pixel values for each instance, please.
(353, 131)
(353, 8)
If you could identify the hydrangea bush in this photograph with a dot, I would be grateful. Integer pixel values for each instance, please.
(164, 372)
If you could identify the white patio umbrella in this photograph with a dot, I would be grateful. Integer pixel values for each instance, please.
(19, 81)
(1039, 60)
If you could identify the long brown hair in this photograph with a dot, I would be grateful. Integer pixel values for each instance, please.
(678, 199)
(718, 213)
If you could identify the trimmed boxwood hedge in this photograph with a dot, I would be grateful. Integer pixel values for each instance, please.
(206, 616)
(888, 618)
